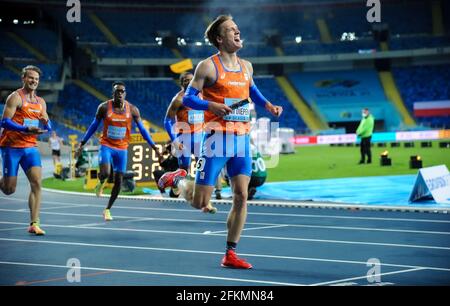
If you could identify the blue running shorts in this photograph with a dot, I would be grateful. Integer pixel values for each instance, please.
(25, 157)
(220, 150)
(118, 157)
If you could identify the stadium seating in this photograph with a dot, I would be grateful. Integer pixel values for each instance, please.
(315, 48)
(339, 96)
(289, 118)
(50, 72)
(84, 31)
(9, 48)
(7, 75)
(415, 86)
(193, 51)
(134, 27)
(152, 97)
(150, 51)
(418, 42)
(348, 20)
(42, 39)
(144, 27)
(78, 106)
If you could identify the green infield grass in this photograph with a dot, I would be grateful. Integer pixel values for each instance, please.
(324, 161)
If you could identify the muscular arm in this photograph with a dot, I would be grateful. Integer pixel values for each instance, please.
(257, 97)
(169, 120)
(255, 94)
(204, 75)
(45, 119)
(175, 105)
(99, 116)
(12, 103)
(102, 109)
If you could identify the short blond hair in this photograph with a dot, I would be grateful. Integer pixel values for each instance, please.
(32, 68)
(212, 31)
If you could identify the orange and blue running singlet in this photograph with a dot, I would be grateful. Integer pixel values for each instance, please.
(116, 137)
(226, 139)
(28, 114)
(117, 127)
(230, 87)
(20, 148)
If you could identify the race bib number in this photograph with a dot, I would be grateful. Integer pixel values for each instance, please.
(31, 122)
(195, 116)
(116, 132)
(240, 114)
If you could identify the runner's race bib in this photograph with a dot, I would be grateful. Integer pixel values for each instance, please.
(116, 132)
(31, 122)
(240, 114)
(195, 116)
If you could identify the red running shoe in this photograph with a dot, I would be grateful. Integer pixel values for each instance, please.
(168, 178)
(230, 260)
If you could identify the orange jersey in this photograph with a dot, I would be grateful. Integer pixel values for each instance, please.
(230, 87)
(28, 114)
(116, 127)
(187, 116)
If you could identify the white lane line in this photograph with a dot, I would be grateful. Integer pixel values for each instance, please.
(247, 229)
(139, 219)
(350, 242)
(64, 206)
(253, 213)
(90, 224)
(134, 219)
(13, 228)
(113, 246)
(42, 202)
(121, 229)
(365, 276)
(243, 280)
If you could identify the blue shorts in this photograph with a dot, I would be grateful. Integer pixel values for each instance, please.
(219, 150)
(26, 157)
(191, 146)
(117, 157)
